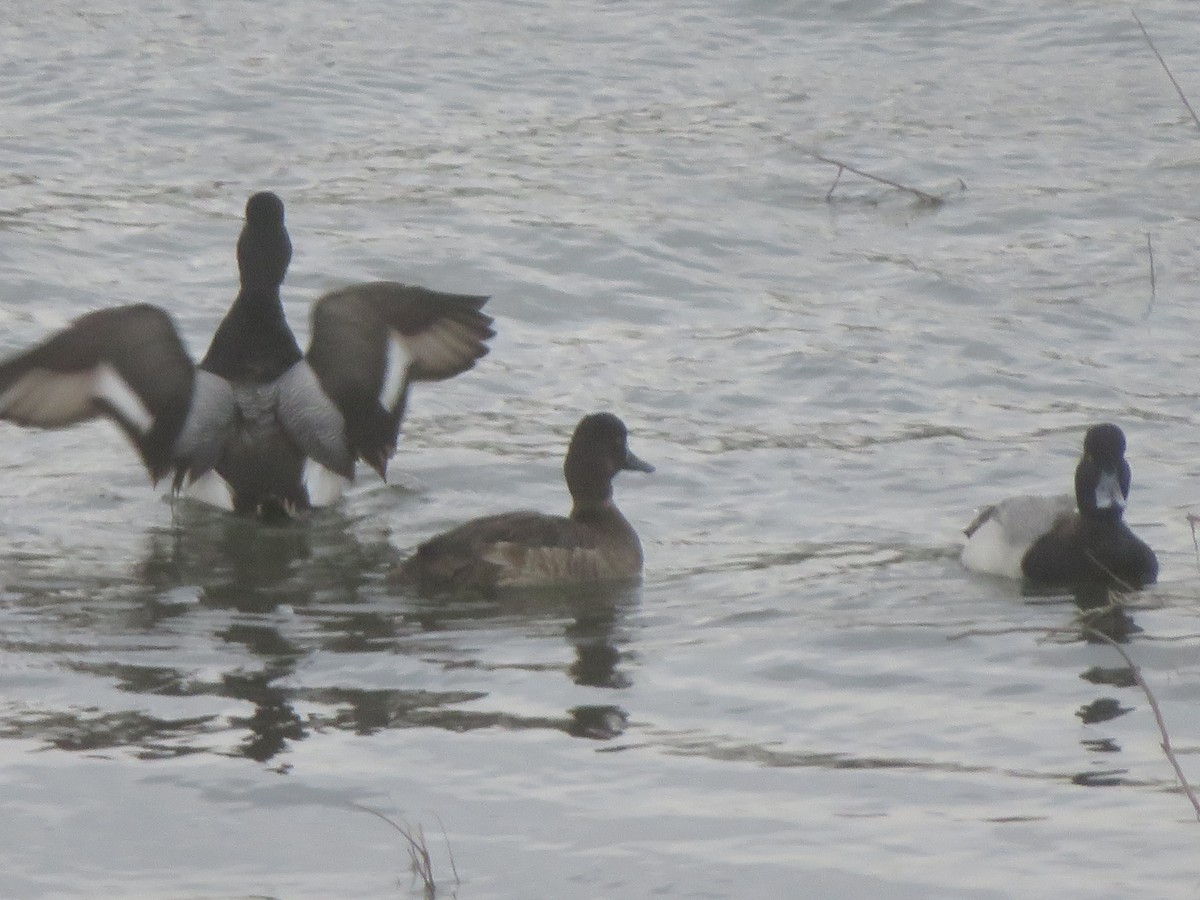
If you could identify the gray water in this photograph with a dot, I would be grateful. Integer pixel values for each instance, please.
(807, 697)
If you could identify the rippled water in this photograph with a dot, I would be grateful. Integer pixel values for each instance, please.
(807, 696)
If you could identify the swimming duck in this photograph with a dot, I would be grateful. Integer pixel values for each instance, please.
(595, 543)
(1060, 541)
(264, 419)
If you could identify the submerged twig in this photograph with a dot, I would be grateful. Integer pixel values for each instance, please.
(1158, 718)
(837, 179)
(1162, 62)
(924, 196)
(1045, 630)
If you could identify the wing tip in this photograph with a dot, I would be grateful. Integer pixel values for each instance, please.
(981, 517)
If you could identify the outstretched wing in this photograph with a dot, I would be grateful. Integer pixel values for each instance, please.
(371, 341)
(127, 363)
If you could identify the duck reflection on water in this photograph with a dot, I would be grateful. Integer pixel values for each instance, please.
(272, 604)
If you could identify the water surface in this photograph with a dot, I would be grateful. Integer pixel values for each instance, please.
(807, 696)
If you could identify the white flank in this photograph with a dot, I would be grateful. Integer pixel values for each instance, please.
(394, 369)
(109, 386)
(999, 544)
(212, 489)
(991, 551)
(323, 485)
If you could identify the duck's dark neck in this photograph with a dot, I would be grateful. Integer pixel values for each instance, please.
(1112, 516)
(591, 489)
(254, 342)
(593, 510)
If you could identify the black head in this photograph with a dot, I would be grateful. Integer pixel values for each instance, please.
(264, 248)
(599, 449)
(1102, 477)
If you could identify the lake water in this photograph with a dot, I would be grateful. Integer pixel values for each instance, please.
(807, 697)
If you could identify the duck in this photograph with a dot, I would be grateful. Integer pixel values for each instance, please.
(524, 549)
(266, 429)
(1064, 541)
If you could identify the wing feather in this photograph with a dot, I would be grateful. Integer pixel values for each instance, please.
(371, 341)
(127, 363)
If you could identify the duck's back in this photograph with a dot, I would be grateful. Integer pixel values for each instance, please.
(528, 549)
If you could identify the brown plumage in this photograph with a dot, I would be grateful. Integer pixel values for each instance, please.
(525, 549)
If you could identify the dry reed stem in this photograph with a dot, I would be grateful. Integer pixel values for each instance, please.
(449, 852)
(420, 861)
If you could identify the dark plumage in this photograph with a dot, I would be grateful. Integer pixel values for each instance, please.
(1061, 547)
(521, 549)
(256, 411)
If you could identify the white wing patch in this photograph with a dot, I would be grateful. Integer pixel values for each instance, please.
(115, 390)
(395, 368)
(49, 399)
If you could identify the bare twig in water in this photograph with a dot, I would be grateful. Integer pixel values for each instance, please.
(1153, 278)
(837, 179)
(1047, 631)
(1083, 624)
(924, 196)
(1108, 573)
(1192, 520)
(1162, 62)
(1162, 726)
(419, 859)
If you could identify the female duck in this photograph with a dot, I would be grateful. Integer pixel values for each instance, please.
(1054, 542)
(526, 549)
(268, 420)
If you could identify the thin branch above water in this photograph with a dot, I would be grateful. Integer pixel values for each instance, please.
(1162, 62)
